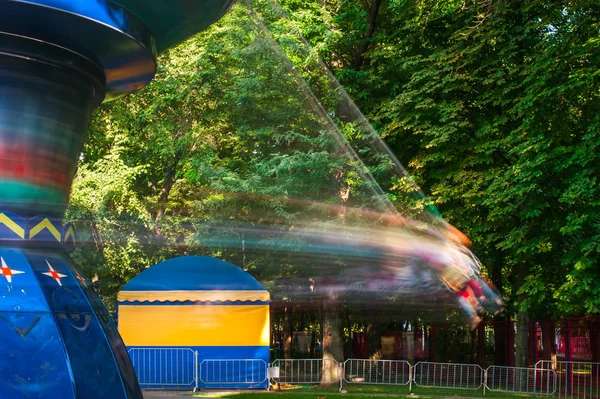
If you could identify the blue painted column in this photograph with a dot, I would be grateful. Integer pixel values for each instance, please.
(59, 59)
(58, 340)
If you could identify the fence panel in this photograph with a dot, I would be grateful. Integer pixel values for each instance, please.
(304, 371)
(233, 373)
(448, 375)
(520, 380)
(365, 371)
(574, 379)
(164, 367)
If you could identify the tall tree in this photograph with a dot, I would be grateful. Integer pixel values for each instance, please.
(500, 98)
(493, 106)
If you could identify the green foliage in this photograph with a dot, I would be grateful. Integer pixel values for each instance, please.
(502, 110)
(220, 153)
(493, 106)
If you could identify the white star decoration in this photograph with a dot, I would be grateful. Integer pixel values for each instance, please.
(54, 274)
(7, 272)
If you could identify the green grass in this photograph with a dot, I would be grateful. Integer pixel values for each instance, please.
(355, 391)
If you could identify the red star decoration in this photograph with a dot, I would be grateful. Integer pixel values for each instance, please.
(54, 274)
(7, 272)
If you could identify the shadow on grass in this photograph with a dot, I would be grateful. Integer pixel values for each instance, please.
(359, 391)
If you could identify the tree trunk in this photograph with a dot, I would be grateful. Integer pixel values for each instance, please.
(523, 324)
(501, 349)
(481, 360)
(168, 181)
(347, 340)
(289, 332)
(548, 340)
(501, 325)
(373, 13)
(522, 345)
(474, 348)
(301, 322)
(522, 340)
(432, 343)
(333, 345)
(373, 339)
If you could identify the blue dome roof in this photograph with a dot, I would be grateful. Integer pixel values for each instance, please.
(193, 273)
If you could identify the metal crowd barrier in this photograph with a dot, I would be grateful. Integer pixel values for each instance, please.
(520, 380)
(365, 371)
(246, 373)
(165, 367)
(304, 371)
(179, 367)
(574, 379)
(448, 375)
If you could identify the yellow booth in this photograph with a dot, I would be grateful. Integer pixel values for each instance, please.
(195, 304)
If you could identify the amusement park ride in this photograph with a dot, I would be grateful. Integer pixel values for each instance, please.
(60, 59)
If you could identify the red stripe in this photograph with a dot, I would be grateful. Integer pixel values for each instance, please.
(37, 166)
